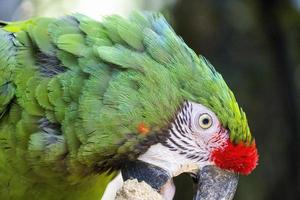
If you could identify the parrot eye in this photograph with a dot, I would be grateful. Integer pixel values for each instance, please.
(205, 121)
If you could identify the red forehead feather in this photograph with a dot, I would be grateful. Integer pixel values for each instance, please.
(240, 158)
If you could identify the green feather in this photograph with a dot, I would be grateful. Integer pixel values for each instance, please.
(39, 34)
(131, 34)
(7, 64)
(55, 98)
(72, 43)
(41, 94)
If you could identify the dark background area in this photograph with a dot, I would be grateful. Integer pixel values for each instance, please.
(255, 45)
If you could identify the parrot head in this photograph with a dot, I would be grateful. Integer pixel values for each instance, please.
(169, 110)
(197, 139)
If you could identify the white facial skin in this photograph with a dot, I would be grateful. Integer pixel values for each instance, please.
(194, 134)
(205, 124)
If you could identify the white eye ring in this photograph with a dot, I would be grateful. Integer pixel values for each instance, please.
(205, 121)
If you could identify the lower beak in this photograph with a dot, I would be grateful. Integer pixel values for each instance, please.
(215, 184)
(155, 176)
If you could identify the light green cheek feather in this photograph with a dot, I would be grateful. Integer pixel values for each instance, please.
(73, 92)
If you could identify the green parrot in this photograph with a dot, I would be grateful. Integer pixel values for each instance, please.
(82, 100)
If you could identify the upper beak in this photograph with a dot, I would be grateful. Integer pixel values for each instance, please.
(215, 184)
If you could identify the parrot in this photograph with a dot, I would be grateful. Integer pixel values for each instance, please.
(82, 100)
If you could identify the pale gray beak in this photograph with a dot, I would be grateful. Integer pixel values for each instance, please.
(215, 184)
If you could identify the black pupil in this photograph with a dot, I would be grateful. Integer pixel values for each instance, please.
(205, 121)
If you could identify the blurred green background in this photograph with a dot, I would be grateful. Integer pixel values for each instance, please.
(255, 44)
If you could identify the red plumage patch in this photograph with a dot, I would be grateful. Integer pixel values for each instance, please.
(143, 128)
(240, 158)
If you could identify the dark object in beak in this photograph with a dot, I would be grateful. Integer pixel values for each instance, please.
(155, 176)
(216, 184)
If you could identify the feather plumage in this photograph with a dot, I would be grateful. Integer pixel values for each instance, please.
(97, 82)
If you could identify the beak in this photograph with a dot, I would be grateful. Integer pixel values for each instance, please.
(155, 176)
(215, 184)
(212, 183)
